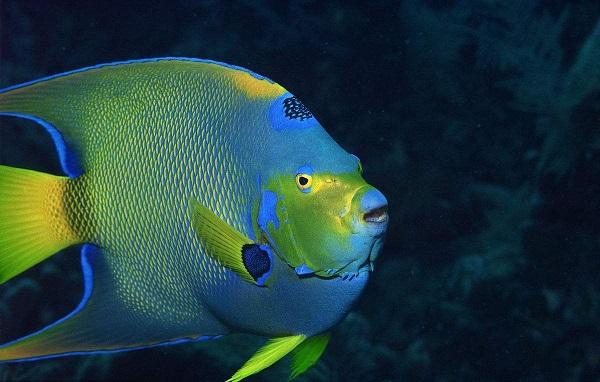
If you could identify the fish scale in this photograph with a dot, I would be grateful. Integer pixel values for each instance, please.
(154, 217)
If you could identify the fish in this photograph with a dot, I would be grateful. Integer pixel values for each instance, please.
(206, 199)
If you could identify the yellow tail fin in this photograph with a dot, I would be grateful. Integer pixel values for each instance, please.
(33, 224)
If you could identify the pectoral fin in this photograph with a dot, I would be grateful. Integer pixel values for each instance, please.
(308, 353)
(251, 261)
(271, 352)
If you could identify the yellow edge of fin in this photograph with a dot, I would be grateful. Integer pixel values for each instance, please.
(221, 241)
(308, 353)
(271, 352)
(33, 225)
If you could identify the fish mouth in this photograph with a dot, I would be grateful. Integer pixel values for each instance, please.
(377, 215)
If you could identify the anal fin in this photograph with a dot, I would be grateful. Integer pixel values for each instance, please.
(101, 323)
(308, 353)
(271, 352)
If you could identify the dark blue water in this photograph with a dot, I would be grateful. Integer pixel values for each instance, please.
(479, 120)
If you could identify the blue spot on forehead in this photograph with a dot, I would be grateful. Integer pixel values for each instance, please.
(289, 113)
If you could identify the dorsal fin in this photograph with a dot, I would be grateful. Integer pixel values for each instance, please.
(58, 103)
(68, 105)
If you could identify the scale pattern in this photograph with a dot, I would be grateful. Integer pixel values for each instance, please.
(148, 147)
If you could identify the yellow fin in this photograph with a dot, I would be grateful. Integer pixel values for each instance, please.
(33, 225)
(271, 352)
(221, 241)
(308, 353)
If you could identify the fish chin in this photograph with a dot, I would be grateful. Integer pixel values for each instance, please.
(347, 272)
(364, 262)
(351, 275)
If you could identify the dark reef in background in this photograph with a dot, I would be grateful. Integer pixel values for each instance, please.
(480, 121)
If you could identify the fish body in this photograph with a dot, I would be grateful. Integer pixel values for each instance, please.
(142, 143)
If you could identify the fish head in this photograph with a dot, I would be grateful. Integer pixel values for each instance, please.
(319, 213)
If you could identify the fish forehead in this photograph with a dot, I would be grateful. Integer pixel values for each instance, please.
(293, 149)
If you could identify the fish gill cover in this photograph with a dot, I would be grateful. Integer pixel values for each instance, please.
(479, 120)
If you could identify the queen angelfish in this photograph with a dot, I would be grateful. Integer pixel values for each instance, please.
(207, 199)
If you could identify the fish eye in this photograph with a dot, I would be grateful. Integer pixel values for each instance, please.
(303, 181)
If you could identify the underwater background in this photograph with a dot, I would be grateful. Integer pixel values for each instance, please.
(480, 122)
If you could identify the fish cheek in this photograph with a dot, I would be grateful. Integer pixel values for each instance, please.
(314, 231)
(274, 226)
(337, 247)
(311, 229)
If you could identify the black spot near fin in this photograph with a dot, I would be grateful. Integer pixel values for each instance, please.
(257, 260)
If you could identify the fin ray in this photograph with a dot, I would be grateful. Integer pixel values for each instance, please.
(99, 323)
(33, 224)
(222, 242)
(60, 102)
(271, 352)
(308, 353)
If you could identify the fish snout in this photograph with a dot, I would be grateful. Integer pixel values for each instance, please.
(370, 208)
